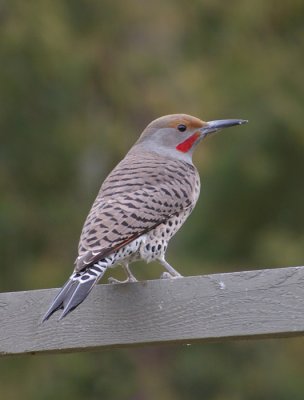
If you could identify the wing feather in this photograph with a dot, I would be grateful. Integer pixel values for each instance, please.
(132, 201)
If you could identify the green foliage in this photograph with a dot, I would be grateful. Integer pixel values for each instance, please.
(79, 80)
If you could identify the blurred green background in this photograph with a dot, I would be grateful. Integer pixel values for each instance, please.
(79, 80)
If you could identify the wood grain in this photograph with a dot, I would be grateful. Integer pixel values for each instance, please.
(252, 304)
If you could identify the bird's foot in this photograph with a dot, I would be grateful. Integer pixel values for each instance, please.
(166, 275)
(129, 279)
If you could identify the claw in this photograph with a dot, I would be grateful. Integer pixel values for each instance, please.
(166, 275)
(171, 272)
(128, 280)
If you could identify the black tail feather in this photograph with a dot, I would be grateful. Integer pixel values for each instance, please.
(58, 301)
(76, 296)
(75, 290)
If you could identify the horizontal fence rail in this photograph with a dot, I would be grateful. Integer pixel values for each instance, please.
(240, 305)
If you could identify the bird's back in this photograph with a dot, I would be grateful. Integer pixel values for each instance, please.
(143, 191)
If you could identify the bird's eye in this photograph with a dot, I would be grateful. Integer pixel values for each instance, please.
(182, 127)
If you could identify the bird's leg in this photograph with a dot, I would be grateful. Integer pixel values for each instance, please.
(172, 273)
(130, 278)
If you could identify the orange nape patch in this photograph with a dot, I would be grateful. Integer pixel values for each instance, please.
(186, 145)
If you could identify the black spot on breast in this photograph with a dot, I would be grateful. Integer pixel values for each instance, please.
(153, 249)
(159, 247)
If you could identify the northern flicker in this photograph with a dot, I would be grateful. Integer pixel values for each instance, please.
(140, 206)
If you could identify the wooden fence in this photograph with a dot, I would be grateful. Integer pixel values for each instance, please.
(240, 305)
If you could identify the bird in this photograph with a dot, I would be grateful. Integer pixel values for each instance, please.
(140, 206)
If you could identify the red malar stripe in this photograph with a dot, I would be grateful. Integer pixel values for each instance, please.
(188, 143)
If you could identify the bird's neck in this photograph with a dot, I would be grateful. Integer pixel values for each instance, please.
(162, 151)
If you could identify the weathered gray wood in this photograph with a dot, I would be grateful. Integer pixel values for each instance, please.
(253, 304)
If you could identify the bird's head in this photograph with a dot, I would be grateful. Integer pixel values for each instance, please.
(177, 135)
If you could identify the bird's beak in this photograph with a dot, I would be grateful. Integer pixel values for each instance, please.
(214, 126)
